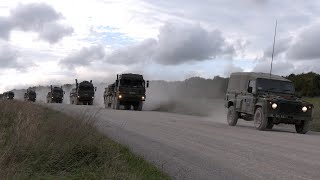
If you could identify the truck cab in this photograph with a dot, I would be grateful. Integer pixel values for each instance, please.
(55, 95)
(83, 93)
(128, 90)
(30, 95)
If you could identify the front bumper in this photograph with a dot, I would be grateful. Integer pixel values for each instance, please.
(85, 98)
(131, 98)
(290, 117)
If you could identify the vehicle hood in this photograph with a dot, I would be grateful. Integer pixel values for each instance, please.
(284, 97)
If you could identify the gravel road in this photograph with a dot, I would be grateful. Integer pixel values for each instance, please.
(191, 147)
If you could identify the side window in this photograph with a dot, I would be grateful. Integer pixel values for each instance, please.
(252, 83)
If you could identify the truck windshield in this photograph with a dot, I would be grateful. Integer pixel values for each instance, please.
(270, 85)
(86, 88)
(58, 91)
(32, 93)
(131, 82)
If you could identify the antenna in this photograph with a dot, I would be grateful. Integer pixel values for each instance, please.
(274, 42)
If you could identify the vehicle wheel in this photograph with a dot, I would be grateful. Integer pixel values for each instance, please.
(109, 105)
(260, 122)
(270, 124)
(232, 116)
(138, 107)
(303, 127)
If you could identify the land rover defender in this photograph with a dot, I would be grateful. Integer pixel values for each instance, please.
(267, 100)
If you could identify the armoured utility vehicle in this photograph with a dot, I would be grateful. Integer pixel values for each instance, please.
(55, 95)
(30, 95)
(8, 95)
(128, 90)
(83, 93)
(267, 100)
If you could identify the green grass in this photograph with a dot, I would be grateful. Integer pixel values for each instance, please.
(39, 143)
(315, 126)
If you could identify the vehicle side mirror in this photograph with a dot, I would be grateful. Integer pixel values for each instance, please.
(147, 84)
(95, 88)
(250, 89)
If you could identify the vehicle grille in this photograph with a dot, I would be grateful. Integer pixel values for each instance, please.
(289, 108)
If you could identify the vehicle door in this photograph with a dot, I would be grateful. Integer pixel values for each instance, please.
(248, 98)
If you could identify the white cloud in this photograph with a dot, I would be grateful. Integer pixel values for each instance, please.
(36, 17)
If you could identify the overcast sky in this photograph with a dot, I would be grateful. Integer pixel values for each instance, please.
(56, 41)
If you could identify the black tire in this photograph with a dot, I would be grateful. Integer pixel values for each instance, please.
(270, 124)
(138, 107)
(260, 121)
(232, 116)
(303, 127)
(109, 105)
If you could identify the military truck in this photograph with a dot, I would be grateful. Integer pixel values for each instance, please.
(8, 95)
(30, 95)
(55, 95)
(267, 100)
(128, 90)
(83, 93)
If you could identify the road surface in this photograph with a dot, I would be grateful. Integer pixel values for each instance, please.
(190, 147)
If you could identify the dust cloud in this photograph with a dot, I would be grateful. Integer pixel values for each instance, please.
(194, 96)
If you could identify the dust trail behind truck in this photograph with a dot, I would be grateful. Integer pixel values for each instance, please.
(128, 90)
(83, 93)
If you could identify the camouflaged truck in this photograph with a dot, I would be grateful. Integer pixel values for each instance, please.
(30, 95)
(266, 100)
(83, 93)
(8, 95)
(128, 90)
(55, 95)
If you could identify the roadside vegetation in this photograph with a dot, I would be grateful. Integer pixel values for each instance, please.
(39, 143)
(315, 126)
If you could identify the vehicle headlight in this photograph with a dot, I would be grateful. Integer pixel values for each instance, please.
(120, 96)
(52, 97)
(142, 97)
(78, 96)
(304, 109)
(62, 97)
(274, 105)
(92, 97)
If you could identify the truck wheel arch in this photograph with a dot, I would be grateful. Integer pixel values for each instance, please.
(230, 103)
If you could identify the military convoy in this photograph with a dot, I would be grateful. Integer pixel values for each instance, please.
(30, 95)
(83, 93)
(263, 98)
(55, 95)
(267, 100)
(128, 90)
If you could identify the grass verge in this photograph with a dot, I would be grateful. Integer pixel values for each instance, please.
(315, 126)
(39, 143)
